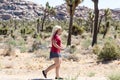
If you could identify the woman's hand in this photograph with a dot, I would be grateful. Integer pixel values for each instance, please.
(62, 48)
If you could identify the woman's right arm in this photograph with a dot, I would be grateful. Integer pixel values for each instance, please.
(55, 44)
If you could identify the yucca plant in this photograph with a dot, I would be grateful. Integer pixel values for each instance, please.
(91, 20)
(47, 11)
(71, 5)
(107, 14)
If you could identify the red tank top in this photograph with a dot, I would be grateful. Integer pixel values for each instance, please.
(58, 42)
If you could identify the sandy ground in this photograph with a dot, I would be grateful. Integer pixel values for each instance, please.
(28, 67)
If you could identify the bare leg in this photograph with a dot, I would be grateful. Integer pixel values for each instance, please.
(57, 62)
(57, 71)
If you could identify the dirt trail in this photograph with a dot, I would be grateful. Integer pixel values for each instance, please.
(27, 67)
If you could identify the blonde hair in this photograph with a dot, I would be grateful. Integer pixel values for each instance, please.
(55, 28)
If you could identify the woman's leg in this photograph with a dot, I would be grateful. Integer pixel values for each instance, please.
(58, 68)
(57, 62)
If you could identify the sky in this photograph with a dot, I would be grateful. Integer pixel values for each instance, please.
(112, 4)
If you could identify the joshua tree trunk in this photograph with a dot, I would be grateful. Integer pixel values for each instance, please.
(106, 29)
(43, 21)
(96, 10)
(38, 26)
(101, 17)
(91, 27)
(70, 26)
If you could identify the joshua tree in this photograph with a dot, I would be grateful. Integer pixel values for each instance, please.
(99, 24)
(96, 11)
(107, 21)
(48, 11)
(91, 21)
(71, 5)
(38, 26)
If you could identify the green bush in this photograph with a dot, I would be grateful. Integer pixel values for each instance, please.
(77, 30)
(114, 76)
(86, 43)
(49, 28)
(12, 42)
(110, 51)
(91, 74)
(96, 49)
(3, 31)
(73, 58)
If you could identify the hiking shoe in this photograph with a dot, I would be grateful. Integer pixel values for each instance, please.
(59, 78)
(45, 75)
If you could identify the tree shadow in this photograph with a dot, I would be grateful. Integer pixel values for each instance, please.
(104, 62)
(41, 79)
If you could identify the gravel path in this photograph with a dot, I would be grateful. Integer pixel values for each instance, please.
(13, 77)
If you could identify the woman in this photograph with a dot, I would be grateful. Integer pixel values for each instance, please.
(55, 52)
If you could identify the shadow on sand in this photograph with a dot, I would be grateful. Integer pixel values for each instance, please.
(41, 79)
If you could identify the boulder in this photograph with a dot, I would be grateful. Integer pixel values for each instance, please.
(6, 16)
(17, 13)
(2, 1)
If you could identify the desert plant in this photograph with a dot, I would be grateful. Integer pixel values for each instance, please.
(49, 28)
(71, 5)
(110, 51)
(12, 42)
(77, 30)
(114, 76)
(107, 14)
(47, 11)
(91, 20)
(73, 57)
(86, 43)
(23, 49)
(96, 49)
(4, 30)
(91, 74)
(8, 51)
(95, 32)
(35, 46)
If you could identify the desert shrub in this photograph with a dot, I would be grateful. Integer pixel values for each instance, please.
(102, 29)
(8, 51)
(30, 30)
(23, 49)
(86, 43)
(49, 27)
(96, 49)
(35, 46)
(71, 49)
(114, 76)
(23, 31)
(3, 31)
(91, 74)
(12, 42)
(77, 30)
(73, 57)
(41, 53)
(110, 51)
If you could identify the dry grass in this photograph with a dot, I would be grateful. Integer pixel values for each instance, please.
(8, 51)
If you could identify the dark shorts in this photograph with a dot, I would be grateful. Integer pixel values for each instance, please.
(54, 55)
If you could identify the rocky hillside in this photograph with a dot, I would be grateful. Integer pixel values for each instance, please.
(82, 11)
(21, 9)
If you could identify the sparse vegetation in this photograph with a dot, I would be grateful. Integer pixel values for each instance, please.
(110, 51)
(96, 49)
(91, 74)
(77, 30)
(32, 40)
(114, 76)
(73, 57)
